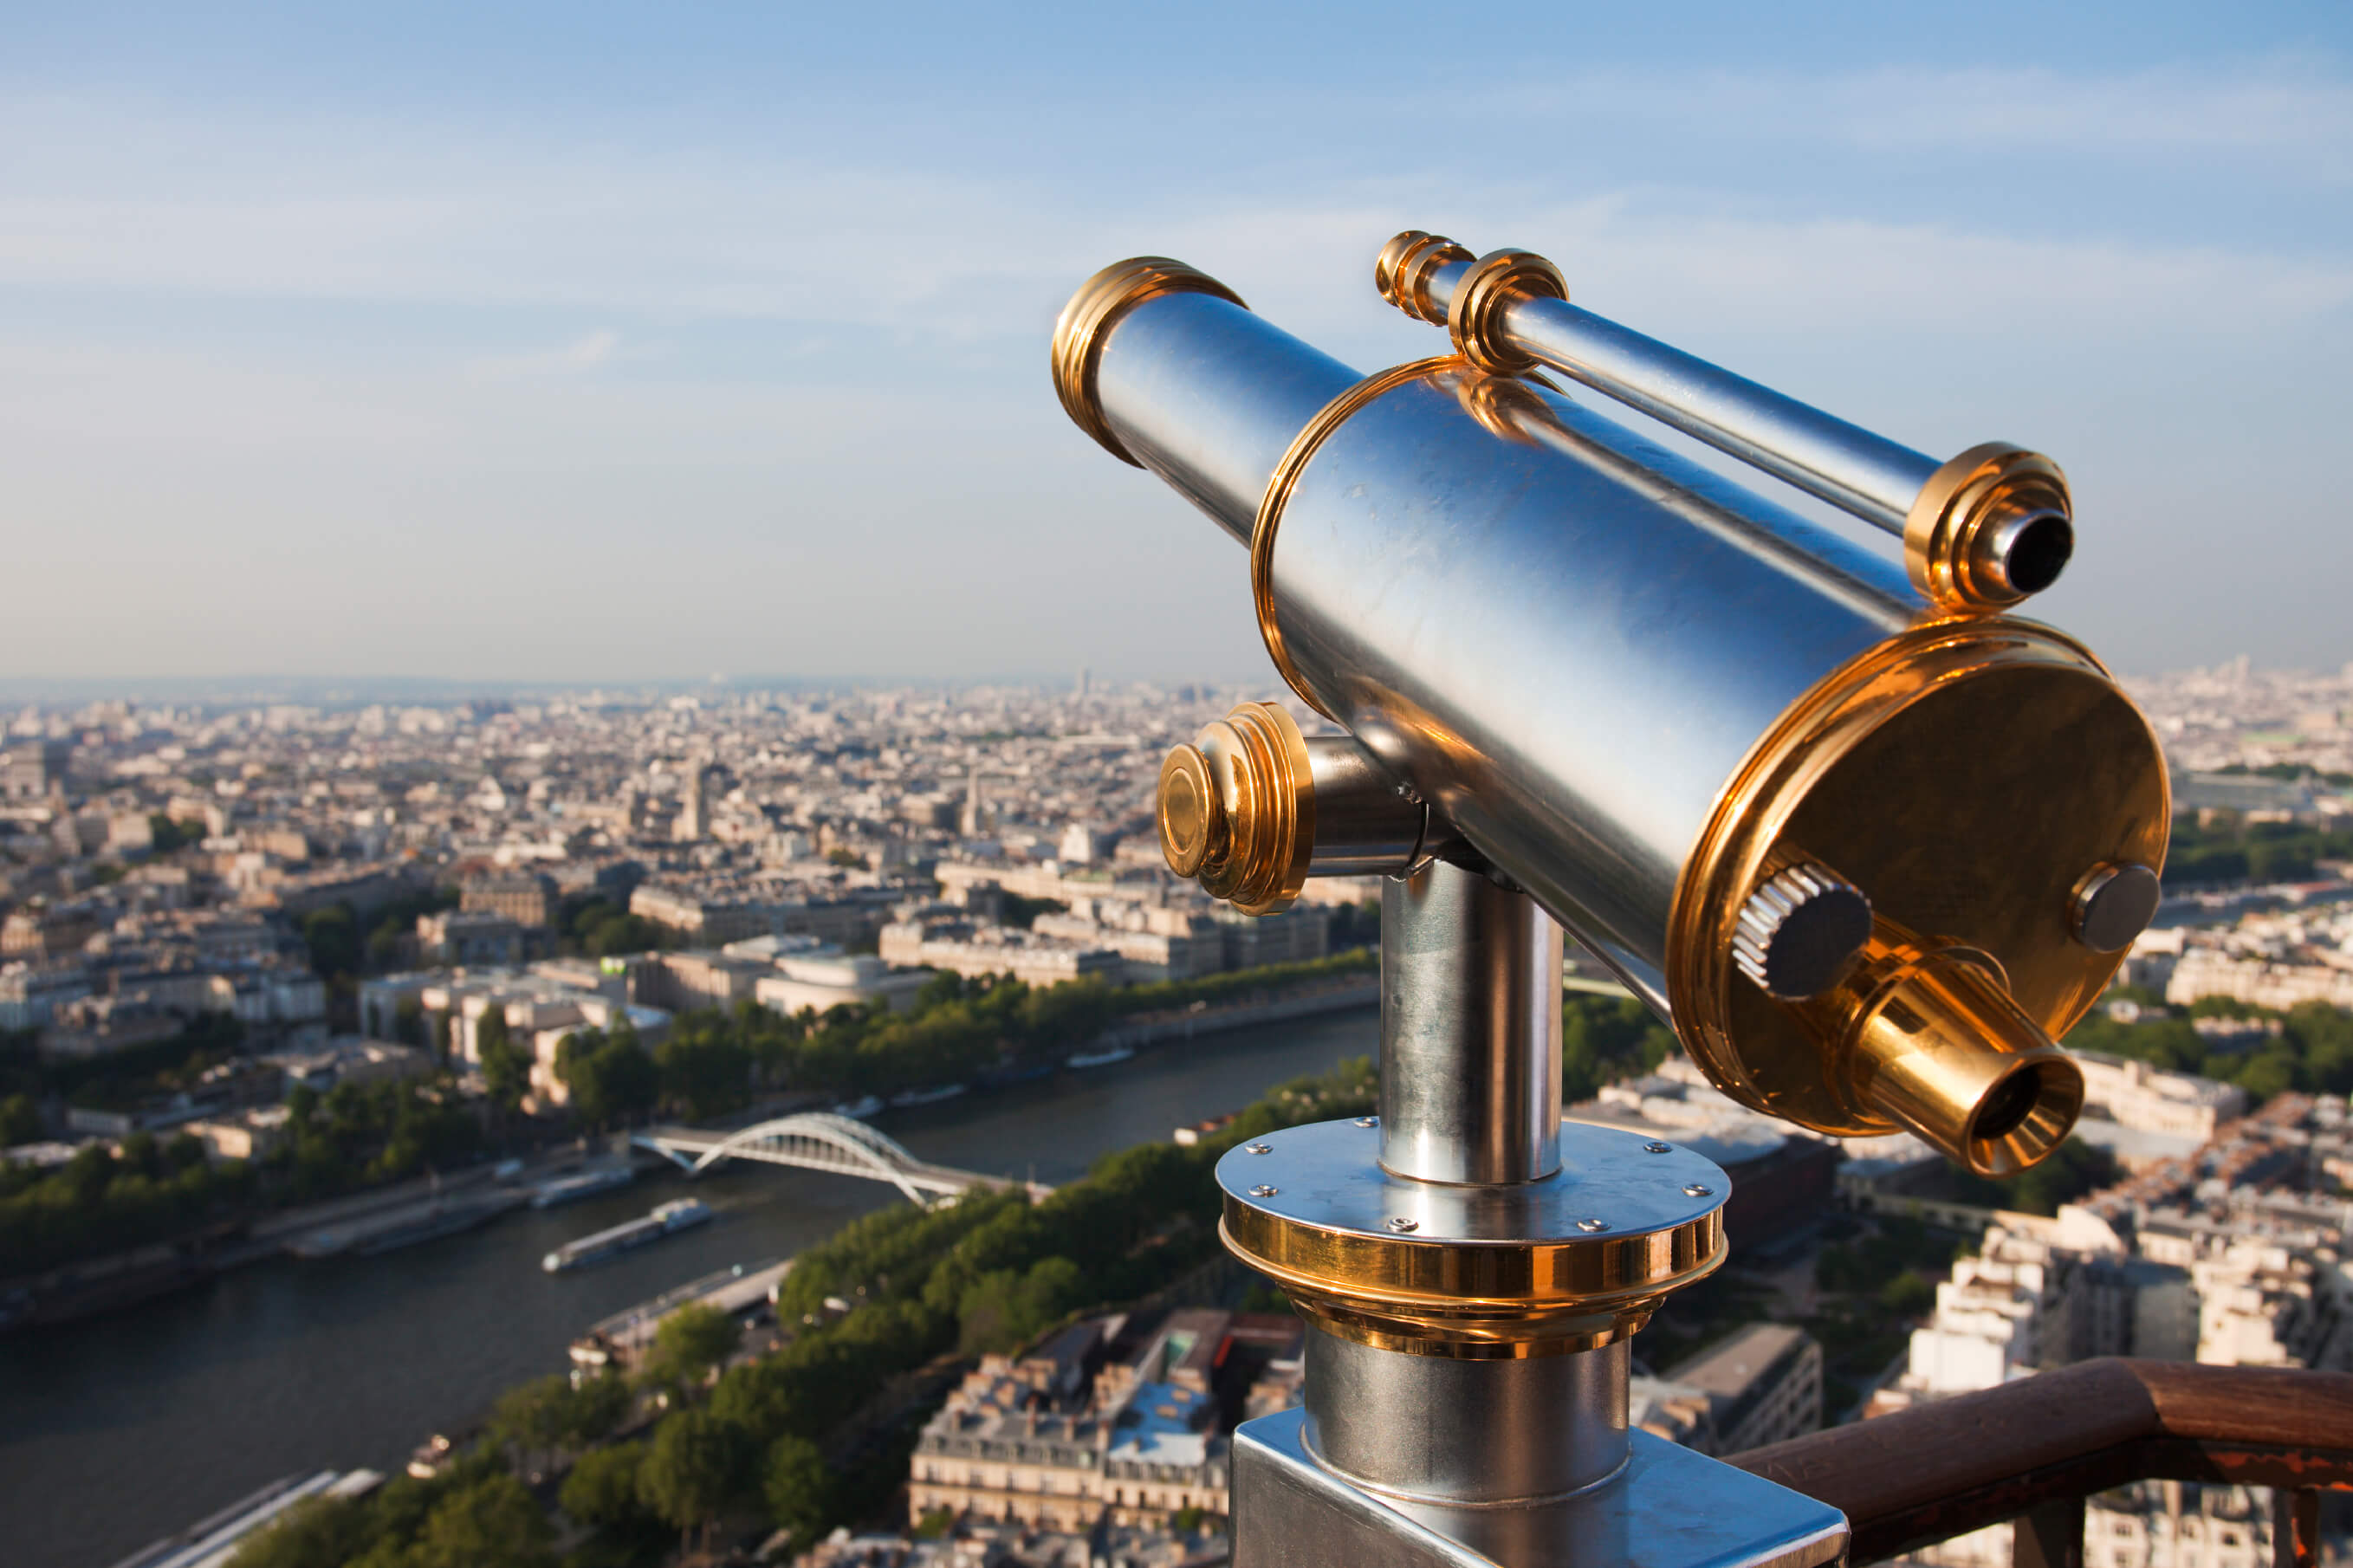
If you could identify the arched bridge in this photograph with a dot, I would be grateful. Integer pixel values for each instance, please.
(813, 1140)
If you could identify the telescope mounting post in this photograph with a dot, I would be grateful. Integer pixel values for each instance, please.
(1471, 1272)
(1867, 843)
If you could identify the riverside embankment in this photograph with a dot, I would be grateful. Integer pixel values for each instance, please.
(118, 1430)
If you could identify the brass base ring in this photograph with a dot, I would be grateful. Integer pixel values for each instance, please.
(1477, 1273)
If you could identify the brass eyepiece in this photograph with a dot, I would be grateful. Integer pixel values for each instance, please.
(1988, 529)
(1925, 1034)
(1237, 808)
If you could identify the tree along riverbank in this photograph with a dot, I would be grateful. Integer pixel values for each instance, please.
(161, 1210)
(958, 1030)
(615, 1472)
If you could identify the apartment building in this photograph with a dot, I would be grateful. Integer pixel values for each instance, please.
(526, 898)
(1098, 1426)
(1762, 1386)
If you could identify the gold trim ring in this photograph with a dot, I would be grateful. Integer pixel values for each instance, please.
(1102, 300)
(1295, 458)
(1939, 690)
(1402, 272)
(1961, 506)
(1496, 1301)
(1474, 316)
(1565, 1263)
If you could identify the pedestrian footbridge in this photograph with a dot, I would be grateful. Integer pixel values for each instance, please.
(815, 1140)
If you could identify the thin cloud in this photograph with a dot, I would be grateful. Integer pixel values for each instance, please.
(2292, 115)
(477, 289)
(578, 357)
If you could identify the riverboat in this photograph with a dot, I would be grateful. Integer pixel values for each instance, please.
(583, 1184)
(623, 1338)
(406, 1228)
(860, 1108)
(926, 1096)
(665, 1219)
(1086, 1060)
(1005, 1077)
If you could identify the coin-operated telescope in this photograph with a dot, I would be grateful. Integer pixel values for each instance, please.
(1867, 843)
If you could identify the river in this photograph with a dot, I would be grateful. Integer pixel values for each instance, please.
(123, 1429)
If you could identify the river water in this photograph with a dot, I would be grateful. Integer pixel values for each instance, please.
(120, 1430)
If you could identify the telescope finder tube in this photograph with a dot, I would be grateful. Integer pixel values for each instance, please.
(1981, 532)
(1640, 690)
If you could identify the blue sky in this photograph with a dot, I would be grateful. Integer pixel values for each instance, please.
(604, 342)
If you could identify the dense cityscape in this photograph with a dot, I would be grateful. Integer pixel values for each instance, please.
(799, 786)
(288, 983)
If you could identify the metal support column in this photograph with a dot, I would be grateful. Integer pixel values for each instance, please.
(1472, 1271)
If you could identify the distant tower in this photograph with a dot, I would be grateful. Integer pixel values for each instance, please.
(694, 807)
(974, 820)
(1086, 681)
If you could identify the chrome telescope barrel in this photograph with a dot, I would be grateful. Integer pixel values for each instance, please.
(1509, 311)
(1685, 720)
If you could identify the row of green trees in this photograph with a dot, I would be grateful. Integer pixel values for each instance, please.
(2313, 1051)
(475, 1514)
(2228, 848)
(101, 1202)
(769, 1443)
(716, 1059)
(361, 1135)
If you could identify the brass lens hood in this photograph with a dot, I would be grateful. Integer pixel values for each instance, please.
(1092, 313)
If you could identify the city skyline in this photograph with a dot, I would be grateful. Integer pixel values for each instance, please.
(534, 347)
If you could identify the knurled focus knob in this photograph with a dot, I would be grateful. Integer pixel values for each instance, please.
(1799, 930)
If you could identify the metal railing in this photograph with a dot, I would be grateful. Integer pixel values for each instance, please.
(2032, 1451)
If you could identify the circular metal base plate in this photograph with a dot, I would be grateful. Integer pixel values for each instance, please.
(1566, 1263)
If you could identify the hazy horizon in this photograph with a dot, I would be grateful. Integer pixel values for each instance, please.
(596, 348)
(421, 689)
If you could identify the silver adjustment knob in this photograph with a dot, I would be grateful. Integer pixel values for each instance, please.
(1799, 929)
